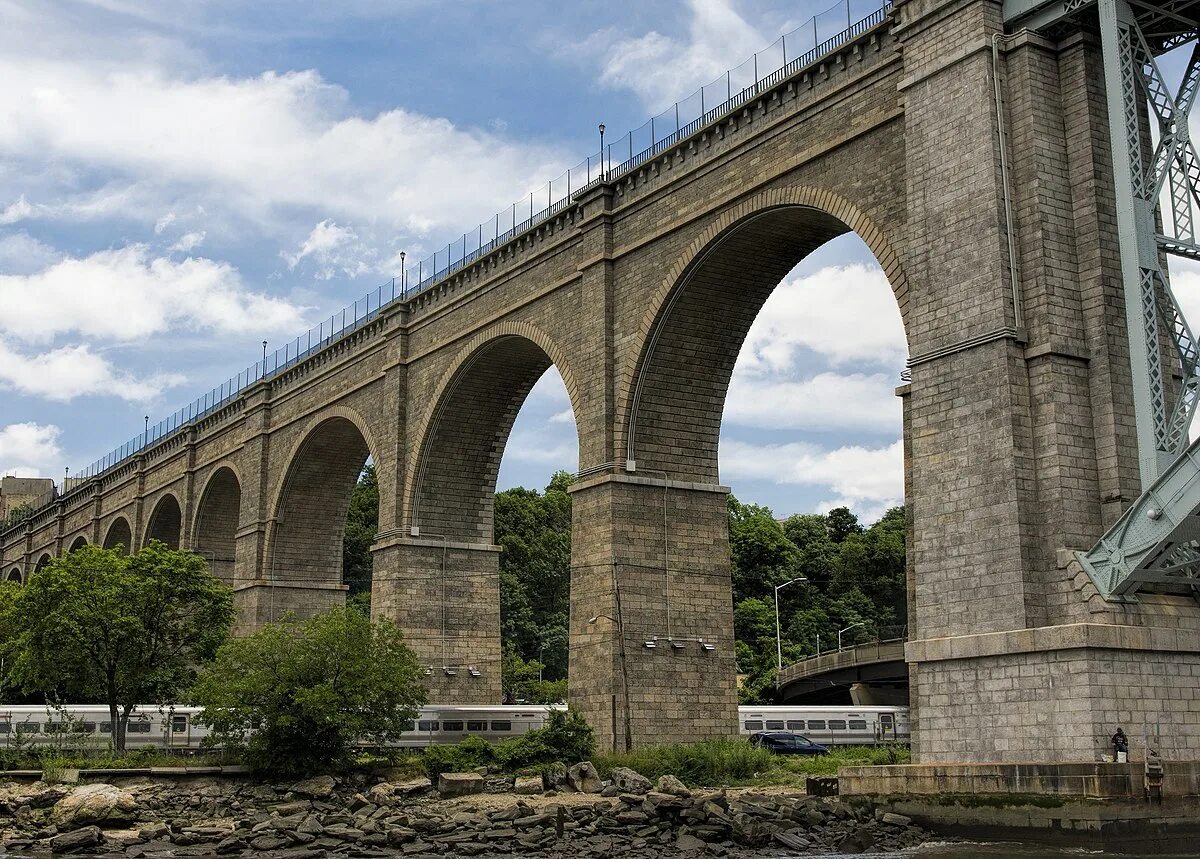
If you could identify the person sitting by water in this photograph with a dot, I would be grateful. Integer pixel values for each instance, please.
(1120, 746)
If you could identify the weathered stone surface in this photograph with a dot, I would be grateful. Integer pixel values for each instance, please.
(629, 781)
(77, 840)
(673, 786)
(94, 803)
(319, 787)
(459, 784)
(584, 778)
(527, 784)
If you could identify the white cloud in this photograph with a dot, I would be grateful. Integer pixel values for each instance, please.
(126, 294)
(21, 253)
(541, 448)
(189, 241)
(68, 372)
(857, 476)
(29, 449)
(164, 222)
(334, 249)
(257, 150)
(845, 313)
(660, 69)
(16, 211)
(824, 401)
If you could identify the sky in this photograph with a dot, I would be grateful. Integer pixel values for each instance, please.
(179, 182)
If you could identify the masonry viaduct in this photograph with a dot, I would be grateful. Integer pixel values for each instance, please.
(1018, 429)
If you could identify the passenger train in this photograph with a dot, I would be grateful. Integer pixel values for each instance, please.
(175, 727)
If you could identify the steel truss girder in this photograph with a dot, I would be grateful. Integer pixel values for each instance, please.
(1157, 540)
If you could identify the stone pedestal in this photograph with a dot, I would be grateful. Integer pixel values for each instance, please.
(445, 597)
(652, 657)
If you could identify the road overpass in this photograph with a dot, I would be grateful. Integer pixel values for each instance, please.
(871, 673)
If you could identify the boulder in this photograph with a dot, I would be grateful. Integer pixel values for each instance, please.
(459, 784)
(414, 786)
(554, 776)
(95, 803)
(383, 793)
(319, 787)
(80, 839)
(670, 784)
(526, 785)
(895, 819)
(686, 842)
(584, 778)
(629, 781)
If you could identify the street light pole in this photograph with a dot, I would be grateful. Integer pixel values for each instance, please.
(847, 629)
(778, 633)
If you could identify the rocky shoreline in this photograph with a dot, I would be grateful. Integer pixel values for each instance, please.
(565, 813)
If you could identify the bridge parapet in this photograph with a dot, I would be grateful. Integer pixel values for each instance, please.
(863, 654)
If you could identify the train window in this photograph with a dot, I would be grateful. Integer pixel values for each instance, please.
(774, 724)
(795, 724)
(56, 727)
(409, 726)
(476, 725)
(83, 728)
(178, 724)
(5, 728)
(30, 727)
(816, 724)
(501, 725)
(138, 728)
(858, 725)
(753, 725)
(452, 726)
(885, 718)
(837, 724)
(427, 725)
(106, 727)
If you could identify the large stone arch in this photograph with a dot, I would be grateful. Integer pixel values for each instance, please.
(701, 313)
(119, 534)
(303, 567)
(166, 522)
(466, 426)
(214, 532)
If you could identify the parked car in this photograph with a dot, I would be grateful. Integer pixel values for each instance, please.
(787, 743)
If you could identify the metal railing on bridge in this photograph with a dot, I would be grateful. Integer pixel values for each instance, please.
(886, 645)
(787, 55)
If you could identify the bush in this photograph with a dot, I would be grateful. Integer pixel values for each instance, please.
(297, 697)
(566, 737)
(707, 763)
(470, 753)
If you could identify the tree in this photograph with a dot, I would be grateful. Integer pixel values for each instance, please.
(18, 514)
(297, 696)
(96, 625)
(762, 555)
(362, 524)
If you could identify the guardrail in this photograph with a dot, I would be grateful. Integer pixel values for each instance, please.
(791, 52)
(871, 653)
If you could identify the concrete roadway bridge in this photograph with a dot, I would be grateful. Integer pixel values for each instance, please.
(870, 673)
(975, 158)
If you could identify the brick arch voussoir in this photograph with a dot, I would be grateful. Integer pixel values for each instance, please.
(481, 340)
(315, 422)
(775, 198)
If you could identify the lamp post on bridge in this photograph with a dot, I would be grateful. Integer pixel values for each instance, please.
(602, 151)
(847, 629)
(778, 634)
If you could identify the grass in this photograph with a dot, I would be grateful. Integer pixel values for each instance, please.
(56, 760)
(735, 763)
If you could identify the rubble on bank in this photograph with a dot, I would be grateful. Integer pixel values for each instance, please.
(575, 814)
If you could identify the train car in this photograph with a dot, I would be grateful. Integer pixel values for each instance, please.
(830, 726)
(172, 727)
(438, 725)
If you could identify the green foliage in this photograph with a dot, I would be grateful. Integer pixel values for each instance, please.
(534, 531)
(18, 514)
(362, 523)
(710, 762)
(296, 697)
(96, 625)
(524, 681)
(566, 737)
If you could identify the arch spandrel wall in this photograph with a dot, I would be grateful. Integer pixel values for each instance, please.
(1018, 415)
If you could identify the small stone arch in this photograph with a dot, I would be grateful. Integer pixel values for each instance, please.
(695, 324)
(119, 535)
(166, 522)
(466, 427)
(78, 543)
(304, 548)
(14, 575)
(217, 517)
(42, 562)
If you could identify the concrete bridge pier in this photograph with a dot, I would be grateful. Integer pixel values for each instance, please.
(652, 657)
(444, 595)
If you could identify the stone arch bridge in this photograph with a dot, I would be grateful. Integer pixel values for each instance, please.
(1020, 431)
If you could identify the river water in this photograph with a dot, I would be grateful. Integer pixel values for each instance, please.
(1000, 850)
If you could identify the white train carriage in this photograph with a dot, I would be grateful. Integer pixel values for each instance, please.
(89, 725)
(438, 725)
(830, 726)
